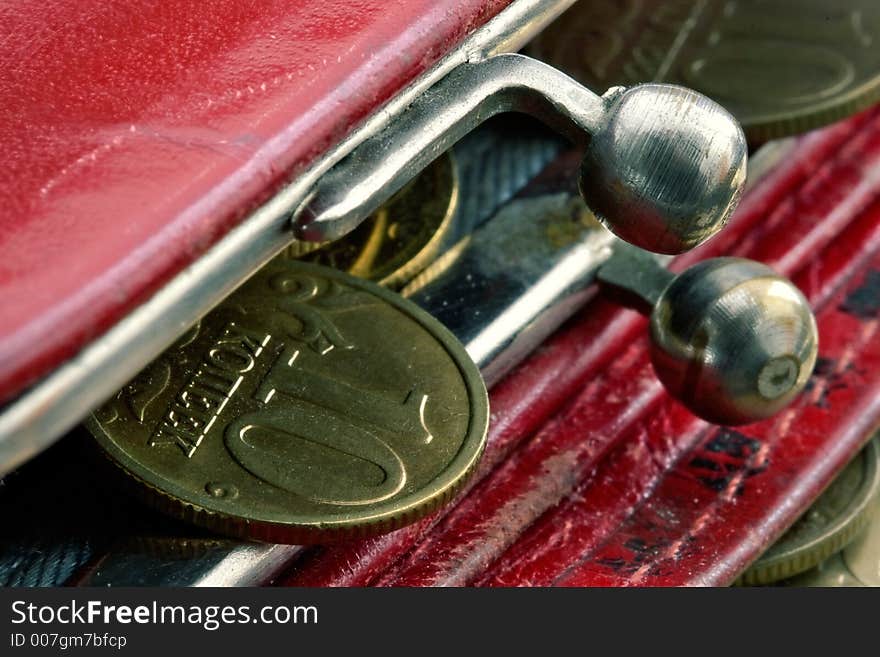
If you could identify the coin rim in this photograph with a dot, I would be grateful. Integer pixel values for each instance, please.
(780, 125)
(848, 524)
(387, 516)
(401, 276)
(412, 267)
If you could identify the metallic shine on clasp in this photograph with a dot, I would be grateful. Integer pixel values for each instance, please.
(664, 166)
(663, 169)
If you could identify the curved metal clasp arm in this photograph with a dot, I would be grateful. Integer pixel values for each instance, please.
(359, 184)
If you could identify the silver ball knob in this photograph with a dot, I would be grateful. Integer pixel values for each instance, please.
(732, 340)
(666, 169)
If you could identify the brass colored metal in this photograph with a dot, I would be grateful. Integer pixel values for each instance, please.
(862, 555)
(404, 236)
(831, 573)
(310, 406)
(833, 522)
(780, 67)
(300, 248)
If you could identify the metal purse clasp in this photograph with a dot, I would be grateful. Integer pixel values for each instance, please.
(664, 165)
(663, 169)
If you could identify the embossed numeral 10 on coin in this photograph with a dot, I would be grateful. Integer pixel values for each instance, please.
(310, 406)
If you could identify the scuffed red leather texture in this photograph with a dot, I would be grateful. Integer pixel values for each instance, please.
(137, 133)
(594, 476)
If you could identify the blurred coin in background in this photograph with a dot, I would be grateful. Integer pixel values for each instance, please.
(780, 67)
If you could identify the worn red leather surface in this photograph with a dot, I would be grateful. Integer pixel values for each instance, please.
(137, 133)
(594, 476)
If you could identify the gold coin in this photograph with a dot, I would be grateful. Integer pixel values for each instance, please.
(831, 573)
(300, 248)
(779, 68)
(862, 556)
(858, 564)
(405, 235)
(829, 525)
(310, 406)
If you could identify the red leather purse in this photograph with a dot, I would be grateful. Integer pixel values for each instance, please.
(145, 144)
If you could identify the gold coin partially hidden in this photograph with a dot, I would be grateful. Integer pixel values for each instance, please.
(402, 237)
(780, 68)
(310, 406)
(833, 521)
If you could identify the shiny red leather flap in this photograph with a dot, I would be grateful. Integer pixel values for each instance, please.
(137, 133)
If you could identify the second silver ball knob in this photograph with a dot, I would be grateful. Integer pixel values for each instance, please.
(733, 340)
